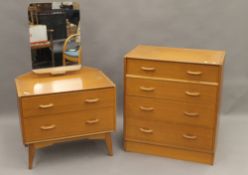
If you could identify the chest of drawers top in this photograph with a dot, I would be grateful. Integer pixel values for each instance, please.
(87, 78)
(196, 56)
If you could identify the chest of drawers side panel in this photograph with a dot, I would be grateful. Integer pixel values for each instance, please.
(124, 102)
(115, 108)
(217, 107)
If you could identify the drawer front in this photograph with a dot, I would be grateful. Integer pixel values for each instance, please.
(197, 138)
(68, 124)
(188, 92)
(195, 72)
(52, 104)
(169, 111)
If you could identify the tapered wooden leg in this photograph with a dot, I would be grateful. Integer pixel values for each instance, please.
(31, 154)
(108, 141)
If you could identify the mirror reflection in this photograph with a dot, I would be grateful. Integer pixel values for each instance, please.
(54, 34)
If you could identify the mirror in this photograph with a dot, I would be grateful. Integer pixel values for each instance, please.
(54, 30)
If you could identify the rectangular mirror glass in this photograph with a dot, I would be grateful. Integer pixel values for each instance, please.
(54, 34)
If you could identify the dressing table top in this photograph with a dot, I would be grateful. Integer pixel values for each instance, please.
(87, 78)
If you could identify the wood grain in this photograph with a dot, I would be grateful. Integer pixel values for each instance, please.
(74, 101)
(181, 55)
(171, 152)
(186, 136)
(87, 78)
(55, 109)
(171, 102)
(170, 111)
(66, 124)
(171, 90)
(108, 141)
(31, 154)
(195, 72)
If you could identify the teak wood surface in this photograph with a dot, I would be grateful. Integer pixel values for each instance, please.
(54, 109)
(171, 101)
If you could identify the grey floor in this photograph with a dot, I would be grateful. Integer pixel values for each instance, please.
(89, 157)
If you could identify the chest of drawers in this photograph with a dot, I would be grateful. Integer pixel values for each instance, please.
(171, 102)
(54, 109)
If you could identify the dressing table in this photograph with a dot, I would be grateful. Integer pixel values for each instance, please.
(54, 109)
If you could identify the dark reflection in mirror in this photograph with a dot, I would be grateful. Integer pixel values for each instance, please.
(54, 34)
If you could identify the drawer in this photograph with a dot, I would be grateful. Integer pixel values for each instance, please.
(187, 92)
(68, 124)
(195, 72)
(169, 111)
(185, 136)
(66, 102)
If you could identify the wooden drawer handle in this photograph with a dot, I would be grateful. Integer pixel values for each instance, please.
(50, 105)
(93, 100)
(148, 69)
(147, 131)
(189, 136)
(147, 89)
(191, 114)
(92, 121)
(192, 94)
(197, 73)
(146, 108)
(49, 127)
